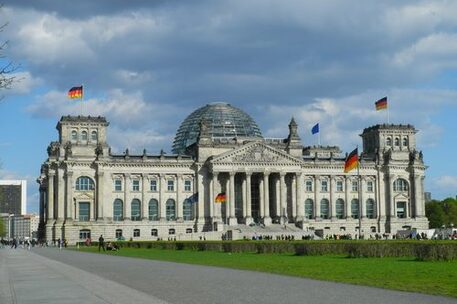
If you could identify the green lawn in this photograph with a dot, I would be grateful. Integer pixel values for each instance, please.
(439, 278)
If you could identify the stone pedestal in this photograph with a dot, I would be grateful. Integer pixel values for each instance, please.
(232, 221)
(266, 221)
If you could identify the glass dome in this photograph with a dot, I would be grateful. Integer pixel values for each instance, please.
(224, 121)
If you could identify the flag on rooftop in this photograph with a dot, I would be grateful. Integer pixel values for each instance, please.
(352, 161)
(381, 104)
(76, 92)
(315, 129)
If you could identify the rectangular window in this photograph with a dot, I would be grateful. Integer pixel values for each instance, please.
(136, 232)
(324, 186)
(339, 186)
(153, 185)
(187, 185)
(370, 186)
(154, 232)
(171, 185)
(401, 209)
(84, 211)
(355, 186)
(309, 186)
(118, 234)
(118, 184)
(136, 185)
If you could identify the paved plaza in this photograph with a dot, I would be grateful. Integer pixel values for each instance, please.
(47, 275)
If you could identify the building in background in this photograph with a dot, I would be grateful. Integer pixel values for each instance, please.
(20, 227)
(225, 178)
(13, 197)
(427, 197)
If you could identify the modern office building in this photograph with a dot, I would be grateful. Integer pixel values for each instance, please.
(13, 197)
(223, 176)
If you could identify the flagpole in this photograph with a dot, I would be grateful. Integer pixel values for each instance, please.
(388, 120)
(319, 138)
(82, 96)
(359, 188)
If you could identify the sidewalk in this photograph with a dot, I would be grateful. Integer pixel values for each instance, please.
(26, 277)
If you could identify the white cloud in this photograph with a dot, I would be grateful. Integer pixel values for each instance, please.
(24, 83)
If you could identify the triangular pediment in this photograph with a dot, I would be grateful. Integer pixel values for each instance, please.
(401, 196)
(84, 196)
(256, 152)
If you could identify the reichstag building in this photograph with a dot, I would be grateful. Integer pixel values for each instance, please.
(262, 184)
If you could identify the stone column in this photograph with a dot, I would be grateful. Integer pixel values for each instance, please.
(362, 198)
(381, 197)
(231, 200)
(266, 199)
(69, 196)
(300, 204)
(217, 206)
(211, 198)
(332, 198)
(61, 195)
(283, 190)
(248, 218)
(418, 199)
(391, 178)
(144, 203)
(162, 201)
(127, 198)
(201, 198)
(179, 198)
(347, 188)
(51, 176)
(278, 198)
(243, 197)
(294, 197)
(100, 195)
(317, 203)
(261, 199)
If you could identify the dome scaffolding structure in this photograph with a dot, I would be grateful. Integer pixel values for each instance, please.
(223, 121)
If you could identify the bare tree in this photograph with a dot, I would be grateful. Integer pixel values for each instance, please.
(7, 77)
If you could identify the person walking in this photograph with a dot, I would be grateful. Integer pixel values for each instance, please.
(101, 243)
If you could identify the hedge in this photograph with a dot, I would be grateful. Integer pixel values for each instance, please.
(421, 250)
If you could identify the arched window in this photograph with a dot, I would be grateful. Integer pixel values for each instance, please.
(170, 210)
(93, 136)
(84, 183)
(339, 208)
(118, 210)
(74, 135)
(397, 142)
(136, 210)
(84, 135)
(188, 211)
(309, 209)
(389, 142)
(371, 208)
(400, 185)
(153, 210)
(355, 208)
(324, 208)
(405, 141)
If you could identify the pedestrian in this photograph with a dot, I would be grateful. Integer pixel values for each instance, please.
(101, 243)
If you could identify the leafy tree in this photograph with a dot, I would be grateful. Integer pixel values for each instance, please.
(435, 214)
(2, 228)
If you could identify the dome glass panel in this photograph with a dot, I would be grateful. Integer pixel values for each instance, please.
(223, 120)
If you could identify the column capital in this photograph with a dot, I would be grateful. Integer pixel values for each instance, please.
(232, 173)
(266, 172)
(248, 172)
(127, 175)
(69, 173)
(52, 172)
(144, 175)
(100, 174)
(282, 173)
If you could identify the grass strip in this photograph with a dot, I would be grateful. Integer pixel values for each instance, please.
(406, 273)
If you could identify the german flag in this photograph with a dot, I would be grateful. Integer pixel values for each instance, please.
(381, 104)
(352, 161)
(220, 198)
(75, 92)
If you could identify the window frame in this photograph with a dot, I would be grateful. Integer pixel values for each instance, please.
(120, 216)
(137, 203)
(82, 217)
(170, 185)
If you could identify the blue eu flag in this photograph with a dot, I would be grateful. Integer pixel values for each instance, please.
(315, 129)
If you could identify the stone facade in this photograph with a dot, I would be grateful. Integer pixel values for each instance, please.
(85, 190)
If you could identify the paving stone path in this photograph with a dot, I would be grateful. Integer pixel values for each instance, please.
(47, 275)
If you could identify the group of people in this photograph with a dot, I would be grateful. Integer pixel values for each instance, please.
(109, 246)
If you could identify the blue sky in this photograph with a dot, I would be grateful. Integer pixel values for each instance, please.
(146, 65)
